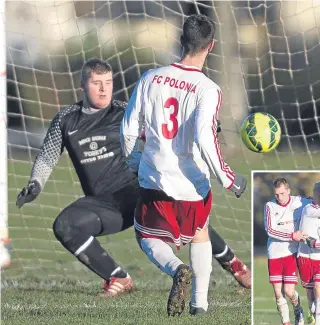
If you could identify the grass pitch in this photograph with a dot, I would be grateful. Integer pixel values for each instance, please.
(46, 285)
(57, 302)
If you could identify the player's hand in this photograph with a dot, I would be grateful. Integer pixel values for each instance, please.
(311, 242)
(239, 185)
(28, 193)
(299, 236)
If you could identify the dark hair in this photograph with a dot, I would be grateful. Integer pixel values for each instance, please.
(198, 32)
(93, 65)
(280, 181)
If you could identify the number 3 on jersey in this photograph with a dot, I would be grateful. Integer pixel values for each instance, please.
(170, 134)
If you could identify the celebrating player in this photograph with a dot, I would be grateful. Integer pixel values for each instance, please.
(309, 253)
(178, 107)
(90, 131)
(282, 218)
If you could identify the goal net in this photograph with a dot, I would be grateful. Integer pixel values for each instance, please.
(264, 59)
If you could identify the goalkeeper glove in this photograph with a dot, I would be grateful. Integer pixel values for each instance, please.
(311, 242)
(28, 193)
(239, 185)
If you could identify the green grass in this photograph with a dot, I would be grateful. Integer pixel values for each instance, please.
(75, 302)
(46, 285)
(265, 310)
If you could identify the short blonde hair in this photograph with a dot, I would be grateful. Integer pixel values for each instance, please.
(280, 181)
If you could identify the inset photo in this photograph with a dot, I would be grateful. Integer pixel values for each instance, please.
(286, 239)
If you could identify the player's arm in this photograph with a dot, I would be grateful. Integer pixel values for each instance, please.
(275, 230)
(205, 136)
(44, 163)
(311, 211)
(131, 127)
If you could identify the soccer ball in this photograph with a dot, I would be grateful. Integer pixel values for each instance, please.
(260, 132)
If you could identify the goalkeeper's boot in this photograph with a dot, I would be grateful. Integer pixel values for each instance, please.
(239, 271)
(117, 286)
(310, 318)
(177, 298)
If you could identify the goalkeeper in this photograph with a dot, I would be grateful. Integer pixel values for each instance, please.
(90, 131)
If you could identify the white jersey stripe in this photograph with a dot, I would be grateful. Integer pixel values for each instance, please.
(224, 167)
(156, 232)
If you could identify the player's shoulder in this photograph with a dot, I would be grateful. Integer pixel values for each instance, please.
(66, 111)
(306, 199)
(270, 204)
(312, 206)
(152, 72)
(303, 200)
(119, 104)
(310, 209)
(209, 83)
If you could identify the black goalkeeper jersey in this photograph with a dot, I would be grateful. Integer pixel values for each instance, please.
(93, 144)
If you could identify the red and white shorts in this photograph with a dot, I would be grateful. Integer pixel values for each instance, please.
(160, 216)
(309, 271)
(283, 270)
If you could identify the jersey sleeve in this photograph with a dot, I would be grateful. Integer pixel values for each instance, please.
(312, 211)
(205, 135)
(49, 154)
(272, 228)
(132, 126)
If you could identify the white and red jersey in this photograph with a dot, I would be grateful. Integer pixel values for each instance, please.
(310, 224)
(179, 108)
(281, 221)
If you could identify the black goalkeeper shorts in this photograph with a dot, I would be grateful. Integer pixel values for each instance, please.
(103, 215)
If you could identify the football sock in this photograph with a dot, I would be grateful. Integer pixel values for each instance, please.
(201, 263)
(119, 273)
(283, 309)
(161, 254)
(220, 250)
(93, 255)
(313, 308)
(311, 304)
(311, 298)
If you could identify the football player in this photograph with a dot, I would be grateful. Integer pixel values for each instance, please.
(177, 106)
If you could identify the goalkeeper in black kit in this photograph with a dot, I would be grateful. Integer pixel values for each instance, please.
(90, 131)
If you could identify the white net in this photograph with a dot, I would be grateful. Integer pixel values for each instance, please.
(265, 59)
